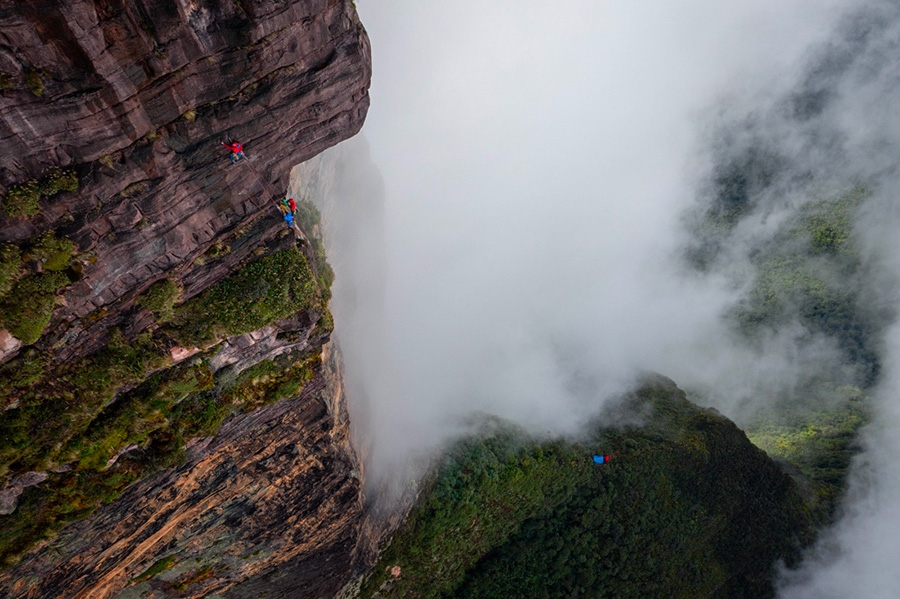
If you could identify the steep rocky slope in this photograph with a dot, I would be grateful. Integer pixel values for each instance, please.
(149, 293)
(269, 507)
(134, 99)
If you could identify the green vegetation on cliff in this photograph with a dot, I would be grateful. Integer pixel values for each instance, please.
(32, 432)
(809, 272)
(10, 267)
(818, 444)
(160, 299)
(270, 289)
(27, 308)
(143, 431)
(27, 299)
(123, 412)
(308, 218)
(22, 199)
(687, 507)
(809, 288)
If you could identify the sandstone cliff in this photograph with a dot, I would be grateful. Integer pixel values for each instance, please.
(135, 98)
(142, 273)
(269, 507)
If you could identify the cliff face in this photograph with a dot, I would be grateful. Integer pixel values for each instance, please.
(135, 98)
(269, 507)
(118, 202)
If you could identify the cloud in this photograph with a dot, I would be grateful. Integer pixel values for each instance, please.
(857, 557)
(537, 163)
(542, 164)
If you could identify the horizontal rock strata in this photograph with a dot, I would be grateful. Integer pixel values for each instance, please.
(268, 507)
(135, 98)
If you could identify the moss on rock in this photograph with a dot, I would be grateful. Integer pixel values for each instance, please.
(161, 298)
(22, 199)
(27, 308)
(10, 267)
(55, 253)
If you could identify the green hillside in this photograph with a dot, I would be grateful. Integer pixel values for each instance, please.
(687, 507)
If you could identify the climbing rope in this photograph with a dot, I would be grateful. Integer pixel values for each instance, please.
(263, 183)
(275, 200)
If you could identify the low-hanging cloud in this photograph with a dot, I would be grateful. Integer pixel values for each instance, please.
(538, 162)
(542, 165)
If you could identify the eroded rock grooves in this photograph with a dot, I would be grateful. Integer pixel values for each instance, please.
(135, 98)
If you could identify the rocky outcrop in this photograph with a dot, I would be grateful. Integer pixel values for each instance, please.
(9, 345)
(270, 507)
(134, 97)
(9, 496)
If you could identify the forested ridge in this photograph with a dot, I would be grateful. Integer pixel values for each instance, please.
(686, 507)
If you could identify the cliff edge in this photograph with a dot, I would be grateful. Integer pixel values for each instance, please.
(172, 414)
(133, 99)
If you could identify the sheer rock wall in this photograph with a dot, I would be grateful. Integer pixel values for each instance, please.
(269, 507)
(135, 98)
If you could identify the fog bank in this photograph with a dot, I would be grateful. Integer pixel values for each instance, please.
(549, 176)
(537, 163)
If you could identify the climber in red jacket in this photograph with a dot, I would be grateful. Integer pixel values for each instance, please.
(237, 151)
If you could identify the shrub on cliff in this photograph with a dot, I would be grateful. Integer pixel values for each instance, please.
(262, 292)
(27, 301)
(27, 308)
(22, 199)
(160, 299)
(53, 252)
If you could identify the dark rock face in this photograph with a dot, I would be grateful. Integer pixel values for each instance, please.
(136, 97)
